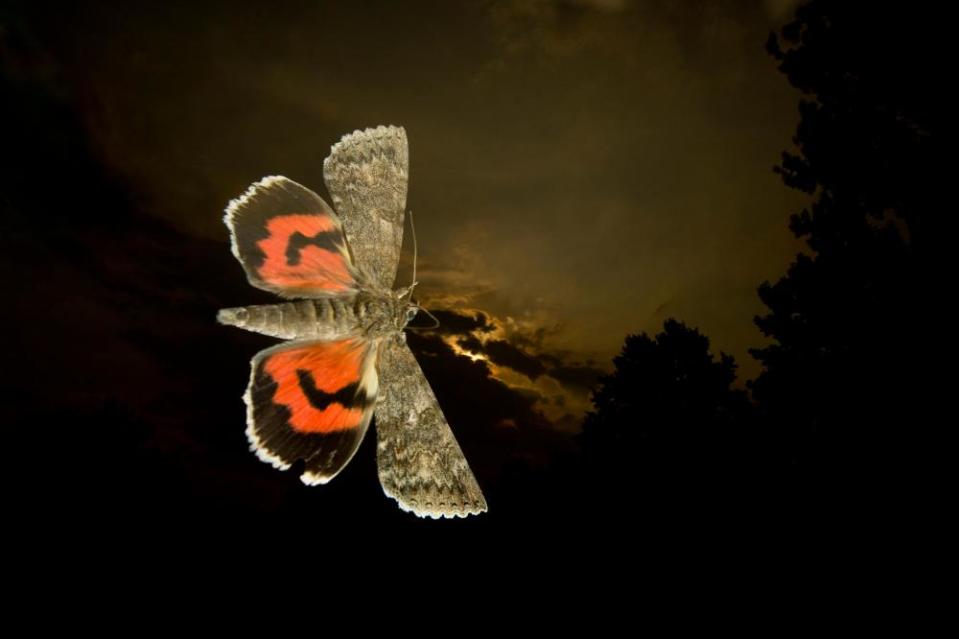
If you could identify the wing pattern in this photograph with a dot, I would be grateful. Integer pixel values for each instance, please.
(289, 241)
(311, 401)
(366, 174)
(419, 462)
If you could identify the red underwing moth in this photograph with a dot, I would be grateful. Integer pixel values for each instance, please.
(311, 398)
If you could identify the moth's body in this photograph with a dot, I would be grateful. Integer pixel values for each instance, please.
(311, 398)
(369, 313)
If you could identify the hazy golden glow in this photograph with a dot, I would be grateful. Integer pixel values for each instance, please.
(459, 350)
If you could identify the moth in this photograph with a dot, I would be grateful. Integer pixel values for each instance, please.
(312, 398)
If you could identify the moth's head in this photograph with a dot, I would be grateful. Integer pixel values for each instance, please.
(411, 311)
(406, 307)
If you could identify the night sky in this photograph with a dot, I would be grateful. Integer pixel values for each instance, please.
(581, 170)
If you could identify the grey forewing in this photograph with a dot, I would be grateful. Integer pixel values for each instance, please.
(366, 174)
(419, 462)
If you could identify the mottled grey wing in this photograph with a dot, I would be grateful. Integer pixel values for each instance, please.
(366, 174)
(420, 464)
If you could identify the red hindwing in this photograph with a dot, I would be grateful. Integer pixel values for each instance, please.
(289, 240)
(312, 401)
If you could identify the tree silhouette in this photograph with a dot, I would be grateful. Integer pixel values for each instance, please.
(843, 379)
(667, 419)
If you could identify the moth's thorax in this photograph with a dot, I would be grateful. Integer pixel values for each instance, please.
(380, 311)
(388, 313)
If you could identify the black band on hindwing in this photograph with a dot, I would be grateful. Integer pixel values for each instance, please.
(326, 240)
(349, 396)
(251, 220)
(322, 452)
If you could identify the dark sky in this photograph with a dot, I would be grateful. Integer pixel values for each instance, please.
(579, 170)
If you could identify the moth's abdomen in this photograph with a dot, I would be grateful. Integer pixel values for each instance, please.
(326, 319)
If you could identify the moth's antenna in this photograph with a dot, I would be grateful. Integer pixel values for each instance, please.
(413, 228)
(436, 322)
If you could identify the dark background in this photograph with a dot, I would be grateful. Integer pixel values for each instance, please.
(589, 178)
